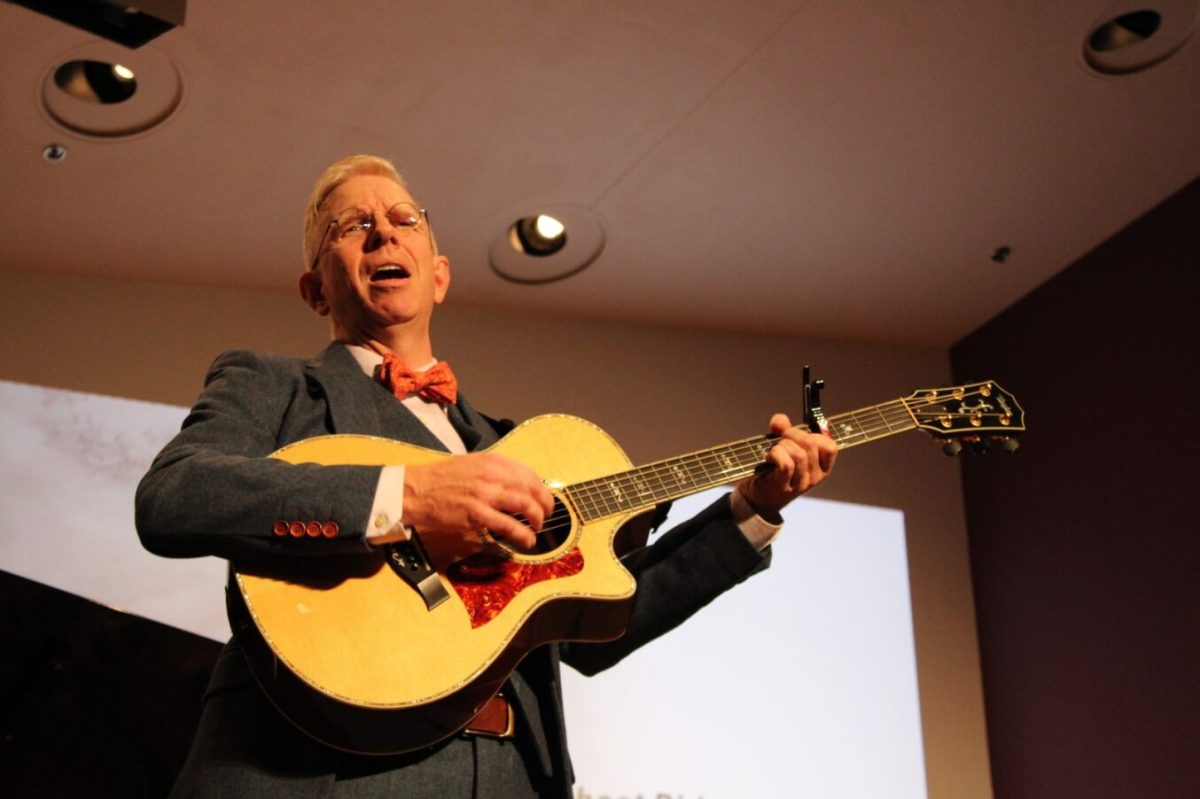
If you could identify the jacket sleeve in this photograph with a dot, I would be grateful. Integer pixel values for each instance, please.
(213, 490)
(681, 572)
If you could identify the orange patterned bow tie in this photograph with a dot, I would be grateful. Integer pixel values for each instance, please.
(437, 383)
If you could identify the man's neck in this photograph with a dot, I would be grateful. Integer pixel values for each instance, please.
(413, 349)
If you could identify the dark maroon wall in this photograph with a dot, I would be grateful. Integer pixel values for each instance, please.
(1085, 544)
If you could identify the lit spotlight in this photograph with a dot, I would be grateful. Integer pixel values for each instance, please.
(539, 235)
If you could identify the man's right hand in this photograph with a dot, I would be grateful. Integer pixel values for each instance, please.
(460, 497)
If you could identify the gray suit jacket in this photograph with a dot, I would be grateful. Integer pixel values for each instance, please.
(212, 491)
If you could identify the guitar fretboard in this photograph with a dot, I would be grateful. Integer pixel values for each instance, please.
(673, 478)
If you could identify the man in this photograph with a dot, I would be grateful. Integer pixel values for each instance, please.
(374, 269)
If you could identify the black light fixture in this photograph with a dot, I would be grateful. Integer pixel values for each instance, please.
(116, 20)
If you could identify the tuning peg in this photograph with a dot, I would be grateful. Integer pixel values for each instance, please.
(1009, 444)
(982, 446)
(952, 447)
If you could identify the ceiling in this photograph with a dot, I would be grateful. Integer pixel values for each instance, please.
(836, 169)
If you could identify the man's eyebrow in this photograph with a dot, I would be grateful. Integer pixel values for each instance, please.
(384, 206)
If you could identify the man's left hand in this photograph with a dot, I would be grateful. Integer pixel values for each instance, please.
(801, 460)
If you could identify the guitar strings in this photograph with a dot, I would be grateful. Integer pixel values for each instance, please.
(609, 495)
(671, 478)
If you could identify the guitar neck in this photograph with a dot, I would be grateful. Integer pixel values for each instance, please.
(682, 476)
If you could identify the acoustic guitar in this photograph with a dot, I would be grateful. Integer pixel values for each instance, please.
(388, 652)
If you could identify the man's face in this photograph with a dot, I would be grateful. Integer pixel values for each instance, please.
(388, 277)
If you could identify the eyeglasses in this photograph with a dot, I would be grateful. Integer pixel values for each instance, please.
(355, 223)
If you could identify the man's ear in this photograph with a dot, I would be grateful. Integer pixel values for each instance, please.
(441, 278)
(313, 292)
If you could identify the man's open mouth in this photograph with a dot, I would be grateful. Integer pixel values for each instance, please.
(389, 272)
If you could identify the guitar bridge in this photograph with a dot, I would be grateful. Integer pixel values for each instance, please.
(410, 562)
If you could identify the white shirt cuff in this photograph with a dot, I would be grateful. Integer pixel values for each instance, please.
(388, 507)
(758, 531)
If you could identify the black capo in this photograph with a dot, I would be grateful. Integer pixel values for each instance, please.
(814, 417)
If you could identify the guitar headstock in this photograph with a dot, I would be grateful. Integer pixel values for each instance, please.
(979, 414)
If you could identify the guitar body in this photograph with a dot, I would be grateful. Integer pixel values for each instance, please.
(353, 655)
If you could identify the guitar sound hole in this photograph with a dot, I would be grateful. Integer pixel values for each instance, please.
(555, 530)
(490, 565)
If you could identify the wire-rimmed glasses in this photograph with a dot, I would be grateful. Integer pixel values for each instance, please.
(355, 223)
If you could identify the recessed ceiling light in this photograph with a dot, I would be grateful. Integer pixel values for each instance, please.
(1130, 37)
(101, 89)
(1125, 30)
(547, 245)
(538, 236)
(96, 81)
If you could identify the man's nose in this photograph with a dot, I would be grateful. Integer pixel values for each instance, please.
(382, 231)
